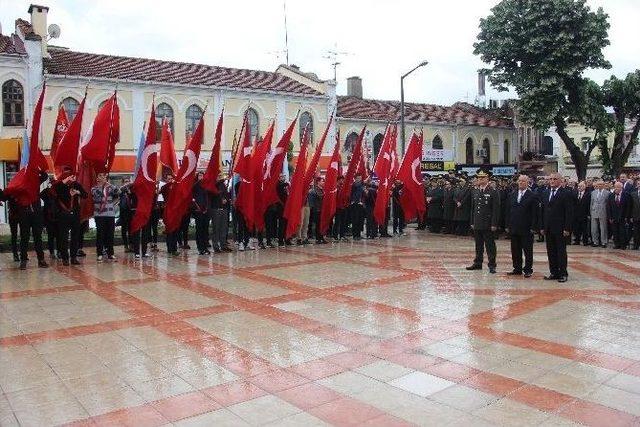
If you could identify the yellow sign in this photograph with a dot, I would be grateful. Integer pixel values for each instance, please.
(10, 149)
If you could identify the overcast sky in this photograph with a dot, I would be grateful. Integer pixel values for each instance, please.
(381, 39)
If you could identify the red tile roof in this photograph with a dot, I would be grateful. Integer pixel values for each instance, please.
(70, 63)
(460, 113)
(27, 29)
(11, 45)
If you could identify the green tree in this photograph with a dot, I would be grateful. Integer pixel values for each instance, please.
(541, 48)
(623, 97)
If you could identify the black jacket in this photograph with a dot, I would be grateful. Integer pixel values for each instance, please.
(521, 218)
(583, 206)
(557, 213)
(619, 211)
(435, 209)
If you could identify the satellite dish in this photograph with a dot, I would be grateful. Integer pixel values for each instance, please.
(54, 31)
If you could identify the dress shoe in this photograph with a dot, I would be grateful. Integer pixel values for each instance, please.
(528, 274)
(81, 253)
(492, 270)
(514, 273)
(551, 277)
(23, 265)
(74, 261)
(604, 246)
(474, 267)
(562, 279)
(42, 264)
(65, 262)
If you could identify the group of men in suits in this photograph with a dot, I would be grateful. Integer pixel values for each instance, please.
(549, 212)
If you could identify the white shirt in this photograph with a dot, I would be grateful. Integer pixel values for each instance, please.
(520, 194)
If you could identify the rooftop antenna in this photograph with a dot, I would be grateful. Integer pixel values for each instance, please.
(332, 55)
(286, 32)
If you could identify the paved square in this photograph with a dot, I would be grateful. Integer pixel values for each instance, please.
(390, 332)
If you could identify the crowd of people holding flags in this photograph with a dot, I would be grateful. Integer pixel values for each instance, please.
(254, 196)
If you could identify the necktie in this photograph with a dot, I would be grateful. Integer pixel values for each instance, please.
(618, 199)
(553, 193)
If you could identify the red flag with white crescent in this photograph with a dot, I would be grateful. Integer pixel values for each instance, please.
(412, 198)
(181, 193)
(293, 206)
(144, 186)
(213, 167)
(62, 125)
(330, 199)
(273, 168)
(67, 153)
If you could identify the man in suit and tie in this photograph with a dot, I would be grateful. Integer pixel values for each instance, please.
(557, 215)
(521, 216)
(485, 214)
(581, 215)
(618, 212)
(598, 210)
(635, 214)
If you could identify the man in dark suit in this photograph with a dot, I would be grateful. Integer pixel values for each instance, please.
(521, 216)
(485, 214)
(557, 215)
(581, 215)
(618, 212)
(635, 214)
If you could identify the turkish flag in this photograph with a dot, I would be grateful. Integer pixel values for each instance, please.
(62, 125)
(167, 150)
(258, 163)
(213, 167)
(312, 170)
(273, 168)
(330, 199)
(412, 198)
(144, 186)
(354, 165)
(293, 206)
(244, 198)
(67, 153)
(181, 193)
(382, 169)
(24, 188)
(99, 145)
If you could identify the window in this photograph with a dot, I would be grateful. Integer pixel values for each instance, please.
(547, 146)
(12, 103)
(350, 142)
(469, 151)
(163, 110)
(70, 107)
(486, 145)
(436, 144)
(505, 153)
(253, 123)
(193, 116)
(306, 119)
(377, 144)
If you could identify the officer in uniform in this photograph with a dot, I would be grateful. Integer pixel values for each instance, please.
(485, 214)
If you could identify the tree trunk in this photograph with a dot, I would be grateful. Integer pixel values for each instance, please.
(580, 159)
(620, 157)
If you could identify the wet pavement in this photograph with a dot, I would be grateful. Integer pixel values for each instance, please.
(379, 333)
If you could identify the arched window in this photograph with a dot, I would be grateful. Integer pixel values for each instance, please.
(193, 116)
(377, 144)
(12, 103)
(163, 110)
(350, 142)
(468, 145)
(486, 145)
(505, 149)
(306, 119)
(436, 144)
(70, 107)
(252, 120)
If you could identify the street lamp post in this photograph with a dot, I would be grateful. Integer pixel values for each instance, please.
(402, 132)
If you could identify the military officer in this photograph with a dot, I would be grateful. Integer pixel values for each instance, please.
(485, 214)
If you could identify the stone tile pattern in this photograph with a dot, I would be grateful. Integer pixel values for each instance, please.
(389, 333)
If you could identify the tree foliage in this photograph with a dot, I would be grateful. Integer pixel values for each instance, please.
(541, 48)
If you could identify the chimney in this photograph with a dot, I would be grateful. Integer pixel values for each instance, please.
(39, 23)
(354, 87)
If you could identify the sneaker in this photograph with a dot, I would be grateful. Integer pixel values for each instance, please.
(241, 247)
(111, 258)
(100, 258)
(146, 255)
(137, 256)
(251, 247)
